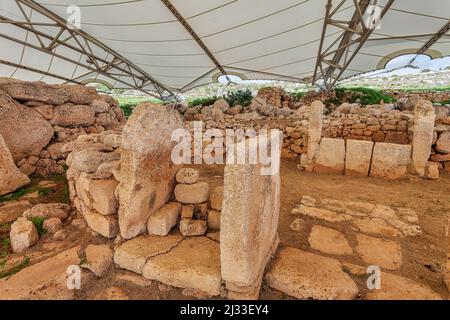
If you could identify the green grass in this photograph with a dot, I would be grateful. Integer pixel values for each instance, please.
(127, 103)
(5, 243)
(16, 195)
(204, 101)
(362, 95)
(7, 273)
(39, 224)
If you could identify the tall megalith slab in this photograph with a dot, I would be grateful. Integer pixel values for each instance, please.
(424, 118)
(147, 174)
(249, 222)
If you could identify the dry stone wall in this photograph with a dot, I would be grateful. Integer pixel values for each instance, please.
(37, 119)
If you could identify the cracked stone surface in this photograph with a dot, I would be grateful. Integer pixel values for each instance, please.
(366, 217)
(133, 254)
(193, 264)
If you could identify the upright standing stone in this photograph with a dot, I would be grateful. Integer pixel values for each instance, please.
(11, 178)
(314, 129)
(424, 118)
(358, 157)
(390, 160)
(147, 174)
(331, 157)
(249, 222)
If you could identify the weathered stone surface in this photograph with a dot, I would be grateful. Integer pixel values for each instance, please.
(52, 225)
(384, 253)
(329, 241)
(443, 143)
(163, 220)
(89, 160)
(390, 161)
(315, 129)
(147, 171)
(23, 235)
(48, 167)
(73, 115)
(133, 254)
(27, 285)
(24, 130)
(432, 171)
(320, 213)
(11, 178)
(107, 226)
(395, 287)
(187, 211)
(187, 175)
(222, 105)
(192, 193)
(81, 94)
(192, 228)
(376, 226)
(100, 106)
(216, 198)
(249, 222)
(102, 193)
(193, 264)
(49, 210)
(36, 91)
(304, 275)
(99, 259)
(10, 211)
(331, 156)
(358, 157)
(214, 219)
(423, 135)
(45, 110)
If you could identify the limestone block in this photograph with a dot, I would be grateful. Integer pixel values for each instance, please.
(331, 157)
(147, 175)
(11, 178)
(162, 221)
(390, 161)
(358, 157)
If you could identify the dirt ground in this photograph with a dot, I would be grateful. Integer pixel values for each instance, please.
(424, 256)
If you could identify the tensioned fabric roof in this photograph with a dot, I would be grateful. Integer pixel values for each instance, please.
(167, 46)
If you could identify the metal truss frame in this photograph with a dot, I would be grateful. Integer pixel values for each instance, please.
(111, 65)
(334, 60)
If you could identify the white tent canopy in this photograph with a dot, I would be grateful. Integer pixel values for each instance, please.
(168, 46)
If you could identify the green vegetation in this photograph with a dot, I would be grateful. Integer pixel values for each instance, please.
(44, 192)
(298, 95)
(4, 246)
(64, 197)
(39, 224)
(61, 194)
(128, 103)
(239, 97)
(16, 195)
(364, 96)
(4, 274)
(203, 101)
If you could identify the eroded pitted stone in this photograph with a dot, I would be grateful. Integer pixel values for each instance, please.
(423, 135)
(147, 173)
(390, 160)
(11, 178)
